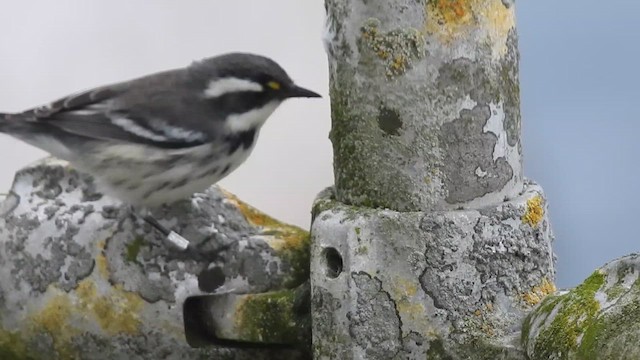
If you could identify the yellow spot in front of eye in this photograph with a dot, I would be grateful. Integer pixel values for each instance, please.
(274, 85)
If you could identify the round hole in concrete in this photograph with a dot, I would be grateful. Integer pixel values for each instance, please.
(332, 262)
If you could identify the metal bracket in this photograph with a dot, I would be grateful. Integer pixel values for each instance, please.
(279, 319)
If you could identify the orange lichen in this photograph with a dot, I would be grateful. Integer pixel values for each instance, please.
(454, 10)
(253, 215)
(539, 292)
(453, 19)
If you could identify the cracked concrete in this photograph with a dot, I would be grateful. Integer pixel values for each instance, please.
(374, 308)
(78, 270)
(452, 278)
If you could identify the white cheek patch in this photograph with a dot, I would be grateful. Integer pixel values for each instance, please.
(251, 119)
(220, 87)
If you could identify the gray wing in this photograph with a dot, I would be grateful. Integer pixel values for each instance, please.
(143, 111)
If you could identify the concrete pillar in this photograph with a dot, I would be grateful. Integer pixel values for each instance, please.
(425, 103)
(431, 244)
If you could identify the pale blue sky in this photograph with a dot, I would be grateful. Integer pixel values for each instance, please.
(579, 85)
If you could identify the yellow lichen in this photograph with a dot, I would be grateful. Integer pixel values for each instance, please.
(499, 21)
(53, 319)
(253, 215)
(116, 312)
(101, 261)
(410, 308)
(539, 292)
(284, 236)
(290, 242)
(534, 212)
(398, 48)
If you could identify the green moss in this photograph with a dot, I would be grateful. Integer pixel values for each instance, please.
(577, 311)
(12, 347)
(363, 173)
(437, 351)
(133, 249)
(298, 255)
(362, 250)
(475, 349)
(616, 334)
(273, 318)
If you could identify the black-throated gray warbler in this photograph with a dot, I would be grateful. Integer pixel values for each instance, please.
(160, 138)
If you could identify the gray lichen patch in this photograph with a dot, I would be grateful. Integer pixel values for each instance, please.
(484, 84)
(509, 81)
(329, 343)
(43, 222)
(374, 324)
(468, 150)
(482, 144)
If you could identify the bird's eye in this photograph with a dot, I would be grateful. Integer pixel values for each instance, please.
(274, 85)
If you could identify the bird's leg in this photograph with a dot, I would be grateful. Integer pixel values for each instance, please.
(173, 237)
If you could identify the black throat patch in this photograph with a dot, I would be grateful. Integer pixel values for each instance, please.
(242, 139)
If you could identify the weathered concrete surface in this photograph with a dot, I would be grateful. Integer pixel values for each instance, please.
(432, 244)
(437, 285)
(598, 320)
(81, 278)
(425, 103)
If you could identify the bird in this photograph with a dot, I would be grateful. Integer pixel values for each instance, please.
(160, 138)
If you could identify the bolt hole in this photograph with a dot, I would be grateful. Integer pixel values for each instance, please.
(333, 262)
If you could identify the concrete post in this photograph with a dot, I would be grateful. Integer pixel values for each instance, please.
(425, 103)
(431, 244)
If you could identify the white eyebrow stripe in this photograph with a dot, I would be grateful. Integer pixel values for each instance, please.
(136, 129)
(223, 86)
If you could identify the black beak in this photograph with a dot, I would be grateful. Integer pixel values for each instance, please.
(297, 91)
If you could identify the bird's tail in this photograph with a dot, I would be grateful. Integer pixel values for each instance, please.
(5, 121)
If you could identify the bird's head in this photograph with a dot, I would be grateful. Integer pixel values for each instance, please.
(244, 88)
